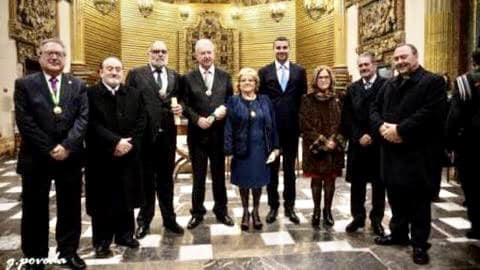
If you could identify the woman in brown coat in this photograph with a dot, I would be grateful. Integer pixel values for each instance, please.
(323, 155)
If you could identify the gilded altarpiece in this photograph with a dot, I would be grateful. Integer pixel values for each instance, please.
(381, 27)
(30, 22)
(226, 42)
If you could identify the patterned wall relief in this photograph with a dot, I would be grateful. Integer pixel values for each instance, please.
(209, 26)
(241, 2)
(30, 22)
(381, 27)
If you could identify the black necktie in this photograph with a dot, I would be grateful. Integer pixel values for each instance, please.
(159, 77)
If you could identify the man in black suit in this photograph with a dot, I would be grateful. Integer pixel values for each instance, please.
(51, 111)
(408, 113)
(206, 90)
(158, 85)
(363, 164)
(284, 83)
(113, 172)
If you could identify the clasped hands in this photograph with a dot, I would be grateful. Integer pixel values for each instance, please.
(123, 147)
(59, 152)
(218, 114)
(389, 132)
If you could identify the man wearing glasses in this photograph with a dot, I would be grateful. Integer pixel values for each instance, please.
(51, 111)
(158, 85)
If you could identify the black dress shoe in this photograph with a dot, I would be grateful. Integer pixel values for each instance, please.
(174, 227)
(142, 231)
(327, 217)
(355, 225)
(473, 234)
(272, 215)
(388, 240)
(420, 256)
(131, 243)
(75, 262)
(194, 222)
(103, 251)
(226, 220)
(290, 213)
(378, 229)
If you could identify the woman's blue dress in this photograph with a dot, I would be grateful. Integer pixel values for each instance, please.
(250, 171)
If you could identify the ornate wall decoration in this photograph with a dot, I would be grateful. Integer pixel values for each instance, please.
(30, 22)
(209, 26)
(381, 27)
(243, 2)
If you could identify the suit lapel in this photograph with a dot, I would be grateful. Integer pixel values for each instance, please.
(42, 87)
(171, 81)
(148, 74)
(216, 79)
(273, 69)
(198, 76)
(65, 89)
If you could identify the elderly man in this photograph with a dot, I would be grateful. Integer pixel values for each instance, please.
(206, 90)
(51, 111)
(363, 148)
(113, 171)
(284, 83)
(409, 114)
(158, 84)
(463, 133)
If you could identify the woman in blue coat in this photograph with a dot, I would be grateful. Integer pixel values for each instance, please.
(251, 140)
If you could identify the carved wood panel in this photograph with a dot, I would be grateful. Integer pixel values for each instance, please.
(209, 26)
(381, 27)
(30, 22)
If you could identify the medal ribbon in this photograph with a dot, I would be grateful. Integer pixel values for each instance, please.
(54, 92)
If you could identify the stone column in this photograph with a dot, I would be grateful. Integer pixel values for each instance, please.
(340, 63)
(78, 66)
(441, 54)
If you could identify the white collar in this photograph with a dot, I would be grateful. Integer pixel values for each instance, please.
(113, 90)
(211, 69)
(372, 79)
(286, 65)
(154, 69)
(48, 77)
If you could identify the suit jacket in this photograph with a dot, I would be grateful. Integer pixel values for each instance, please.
(113, 117)
(286, 104)
(417, 106)
(198, 103)
(160, 118)
(363, 162)
(41, 130)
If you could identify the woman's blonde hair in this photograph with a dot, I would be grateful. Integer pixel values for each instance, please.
(248, 72)
(317, 71)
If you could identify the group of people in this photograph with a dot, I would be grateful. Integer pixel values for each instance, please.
(124, 135)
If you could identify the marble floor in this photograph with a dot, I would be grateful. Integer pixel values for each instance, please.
(281, 245)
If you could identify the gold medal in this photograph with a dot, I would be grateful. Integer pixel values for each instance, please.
(57, 110)
(253, 114)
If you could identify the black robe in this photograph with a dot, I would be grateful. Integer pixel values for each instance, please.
(417, 106)
(109, 178)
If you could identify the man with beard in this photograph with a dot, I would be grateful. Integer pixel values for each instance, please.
(463, 133)
(51, 111)
(158, 85)
(284, 83)
(206, 90)
(409, 114)
(363, 147)
(113, 171)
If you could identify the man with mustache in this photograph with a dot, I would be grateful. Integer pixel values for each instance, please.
(51, 111)
(363, 149)
(284, 83)
(408, 114)
(113, 172)
(158, 84)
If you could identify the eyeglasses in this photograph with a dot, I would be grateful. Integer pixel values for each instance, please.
(112, 68)
(159, 51)
(54, 53)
